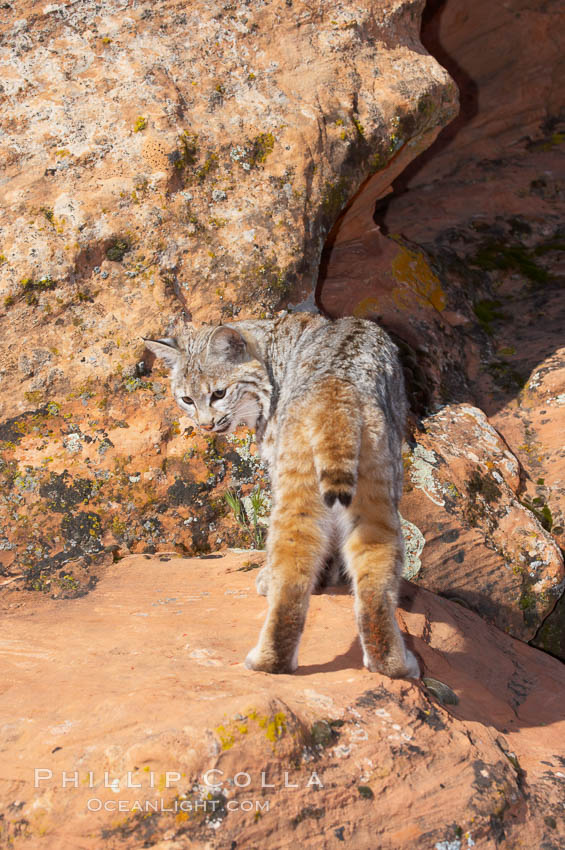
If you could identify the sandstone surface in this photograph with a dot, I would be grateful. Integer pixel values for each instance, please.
(463, 262)
(157, 159)
(145, 675)
(483, 545)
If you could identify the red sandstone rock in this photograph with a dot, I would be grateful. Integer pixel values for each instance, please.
(469, 278)
(483, 545)
(159, 158)
(145, 675)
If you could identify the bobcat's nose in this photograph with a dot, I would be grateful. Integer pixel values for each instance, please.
(207, 426)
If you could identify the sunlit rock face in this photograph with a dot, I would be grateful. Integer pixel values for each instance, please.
(139, 692)
(205, 159)
(463, 262)
(158, 159)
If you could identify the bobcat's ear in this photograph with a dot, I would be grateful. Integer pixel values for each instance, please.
(227, 344)
(166, 349)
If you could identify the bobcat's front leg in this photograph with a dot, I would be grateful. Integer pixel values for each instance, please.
(263, 581)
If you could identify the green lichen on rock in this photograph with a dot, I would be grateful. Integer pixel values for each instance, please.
(275, 726)
(540, 510)
(483, 492)
(358, 126)
(188, 154)
(500, 256)
(530, 602)
(487, 312)
(261, 146)
(31, 288)
(551, 634)
(118, 249)
(335, 195)
(505, 375)
(210, 164)
(366, 792)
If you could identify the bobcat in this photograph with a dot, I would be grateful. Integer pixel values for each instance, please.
(327, 401)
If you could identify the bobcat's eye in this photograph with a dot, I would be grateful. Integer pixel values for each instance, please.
(218, 394)
(187, 400)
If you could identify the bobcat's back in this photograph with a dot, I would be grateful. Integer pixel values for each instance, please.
(327, 402)
(340, 375)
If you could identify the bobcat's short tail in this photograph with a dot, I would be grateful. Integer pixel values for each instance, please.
(337, 485)
(335, 438)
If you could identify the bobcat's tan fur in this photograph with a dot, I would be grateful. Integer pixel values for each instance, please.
(327, 402)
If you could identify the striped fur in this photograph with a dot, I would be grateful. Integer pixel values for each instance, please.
(328, 405)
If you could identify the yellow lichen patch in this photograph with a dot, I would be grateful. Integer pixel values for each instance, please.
(226, 737)
(416, 279)
(366, 307)
(276, 727)
(273, 726)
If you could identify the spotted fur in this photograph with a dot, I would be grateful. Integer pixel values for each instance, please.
(328, 405)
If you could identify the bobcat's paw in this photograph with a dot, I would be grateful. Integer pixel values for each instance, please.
(406, 668)
(263, 580)
(267, 662)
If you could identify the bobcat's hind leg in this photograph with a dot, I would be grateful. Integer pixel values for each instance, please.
(296, 549)
(374, 554)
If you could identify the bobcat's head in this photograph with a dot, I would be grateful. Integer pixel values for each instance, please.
(214, 377)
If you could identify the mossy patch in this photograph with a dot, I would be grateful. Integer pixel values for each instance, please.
(210, 164)
(500, 256)
(117, 250)
(487, 312)
(483, 491)
(540, 510)
(365, 792)
(30, 288)
(260, 148)
(335, 196)
(505, 375)
(323, 733)
(188, 153)
(531, 603)
(551, 634)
